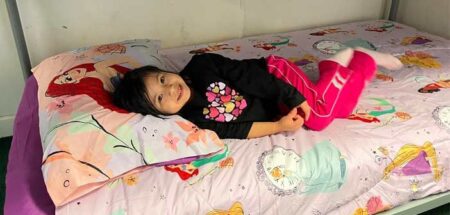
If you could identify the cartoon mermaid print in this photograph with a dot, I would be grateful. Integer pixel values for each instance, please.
(92, 79)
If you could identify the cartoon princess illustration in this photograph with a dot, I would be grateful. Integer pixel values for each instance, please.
(374, 205)
(285, 172)
(211, 48)
(92, 79)
(305, 60)
(114, 48)
(385, 27)
(414, 160)
(328, 31)
(378, 107)
(265, 46)
(189, 170)
(273, 44)
(441, 115)
(420, 59)
(369, 115)
(417, 40)
(185, 171)
(363, 117)
(383, 77)
(435, 87)
(235, 209)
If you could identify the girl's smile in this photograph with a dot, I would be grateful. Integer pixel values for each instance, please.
(180, 90)
(168, 92)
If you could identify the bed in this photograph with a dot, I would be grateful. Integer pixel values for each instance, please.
(392, 150)
(398, 114)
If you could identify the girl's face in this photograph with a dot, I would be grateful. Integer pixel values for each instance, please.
(168, 92)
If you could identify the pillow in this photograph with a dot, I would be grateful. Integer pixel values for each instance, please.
(87, 141)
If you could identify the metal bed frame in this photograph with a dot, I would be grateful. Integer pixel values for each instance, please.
(413, 207)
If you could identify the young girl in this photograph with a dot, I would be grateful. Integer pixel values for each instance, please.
(243, 98)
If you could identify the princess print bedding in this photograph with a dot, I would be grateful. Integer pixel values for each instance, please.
(394, 148)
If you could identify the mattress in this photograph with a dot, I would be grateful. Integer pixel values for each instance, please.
(393, 149)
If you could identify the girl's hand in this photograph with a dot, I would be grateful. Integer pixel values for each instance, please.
(306, 109)
(291, 122)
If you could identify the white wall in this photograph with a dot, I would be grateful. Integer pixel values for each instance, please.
(11, 79)
(267, 16)
(432, 16)
(53, 26)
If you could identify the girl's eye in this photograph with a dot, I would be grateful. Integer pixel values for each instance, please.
(160, 97)
(163, 79)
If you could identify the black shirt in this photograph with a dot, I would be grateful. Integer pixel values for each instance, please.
(229, 95)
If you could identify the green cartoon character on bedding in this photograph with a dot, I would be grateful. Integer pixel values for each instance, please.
(320, 169)
(381, 27)
(377, 110)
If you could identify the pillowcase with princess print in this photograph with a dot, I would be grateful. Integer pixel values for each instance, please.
(87, 141)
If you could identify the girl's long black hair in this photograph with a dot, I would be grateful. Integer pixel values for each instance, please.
(131, 92)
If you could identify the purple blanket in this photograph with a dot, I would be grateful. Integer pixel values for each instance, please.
(25, 188)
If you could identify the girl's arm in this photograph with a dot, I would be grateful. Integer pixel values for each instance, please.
(260, 129)
(291, 122)
(245, 130)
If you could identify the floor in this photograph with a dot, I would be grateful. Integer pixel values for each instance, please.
(5, 144)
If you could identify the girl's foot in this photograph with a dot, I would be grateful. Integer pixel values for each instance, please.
(382, 59)
(343, 57)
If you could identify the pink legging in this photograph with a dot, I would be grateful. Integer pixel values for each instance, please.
(335, 94)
